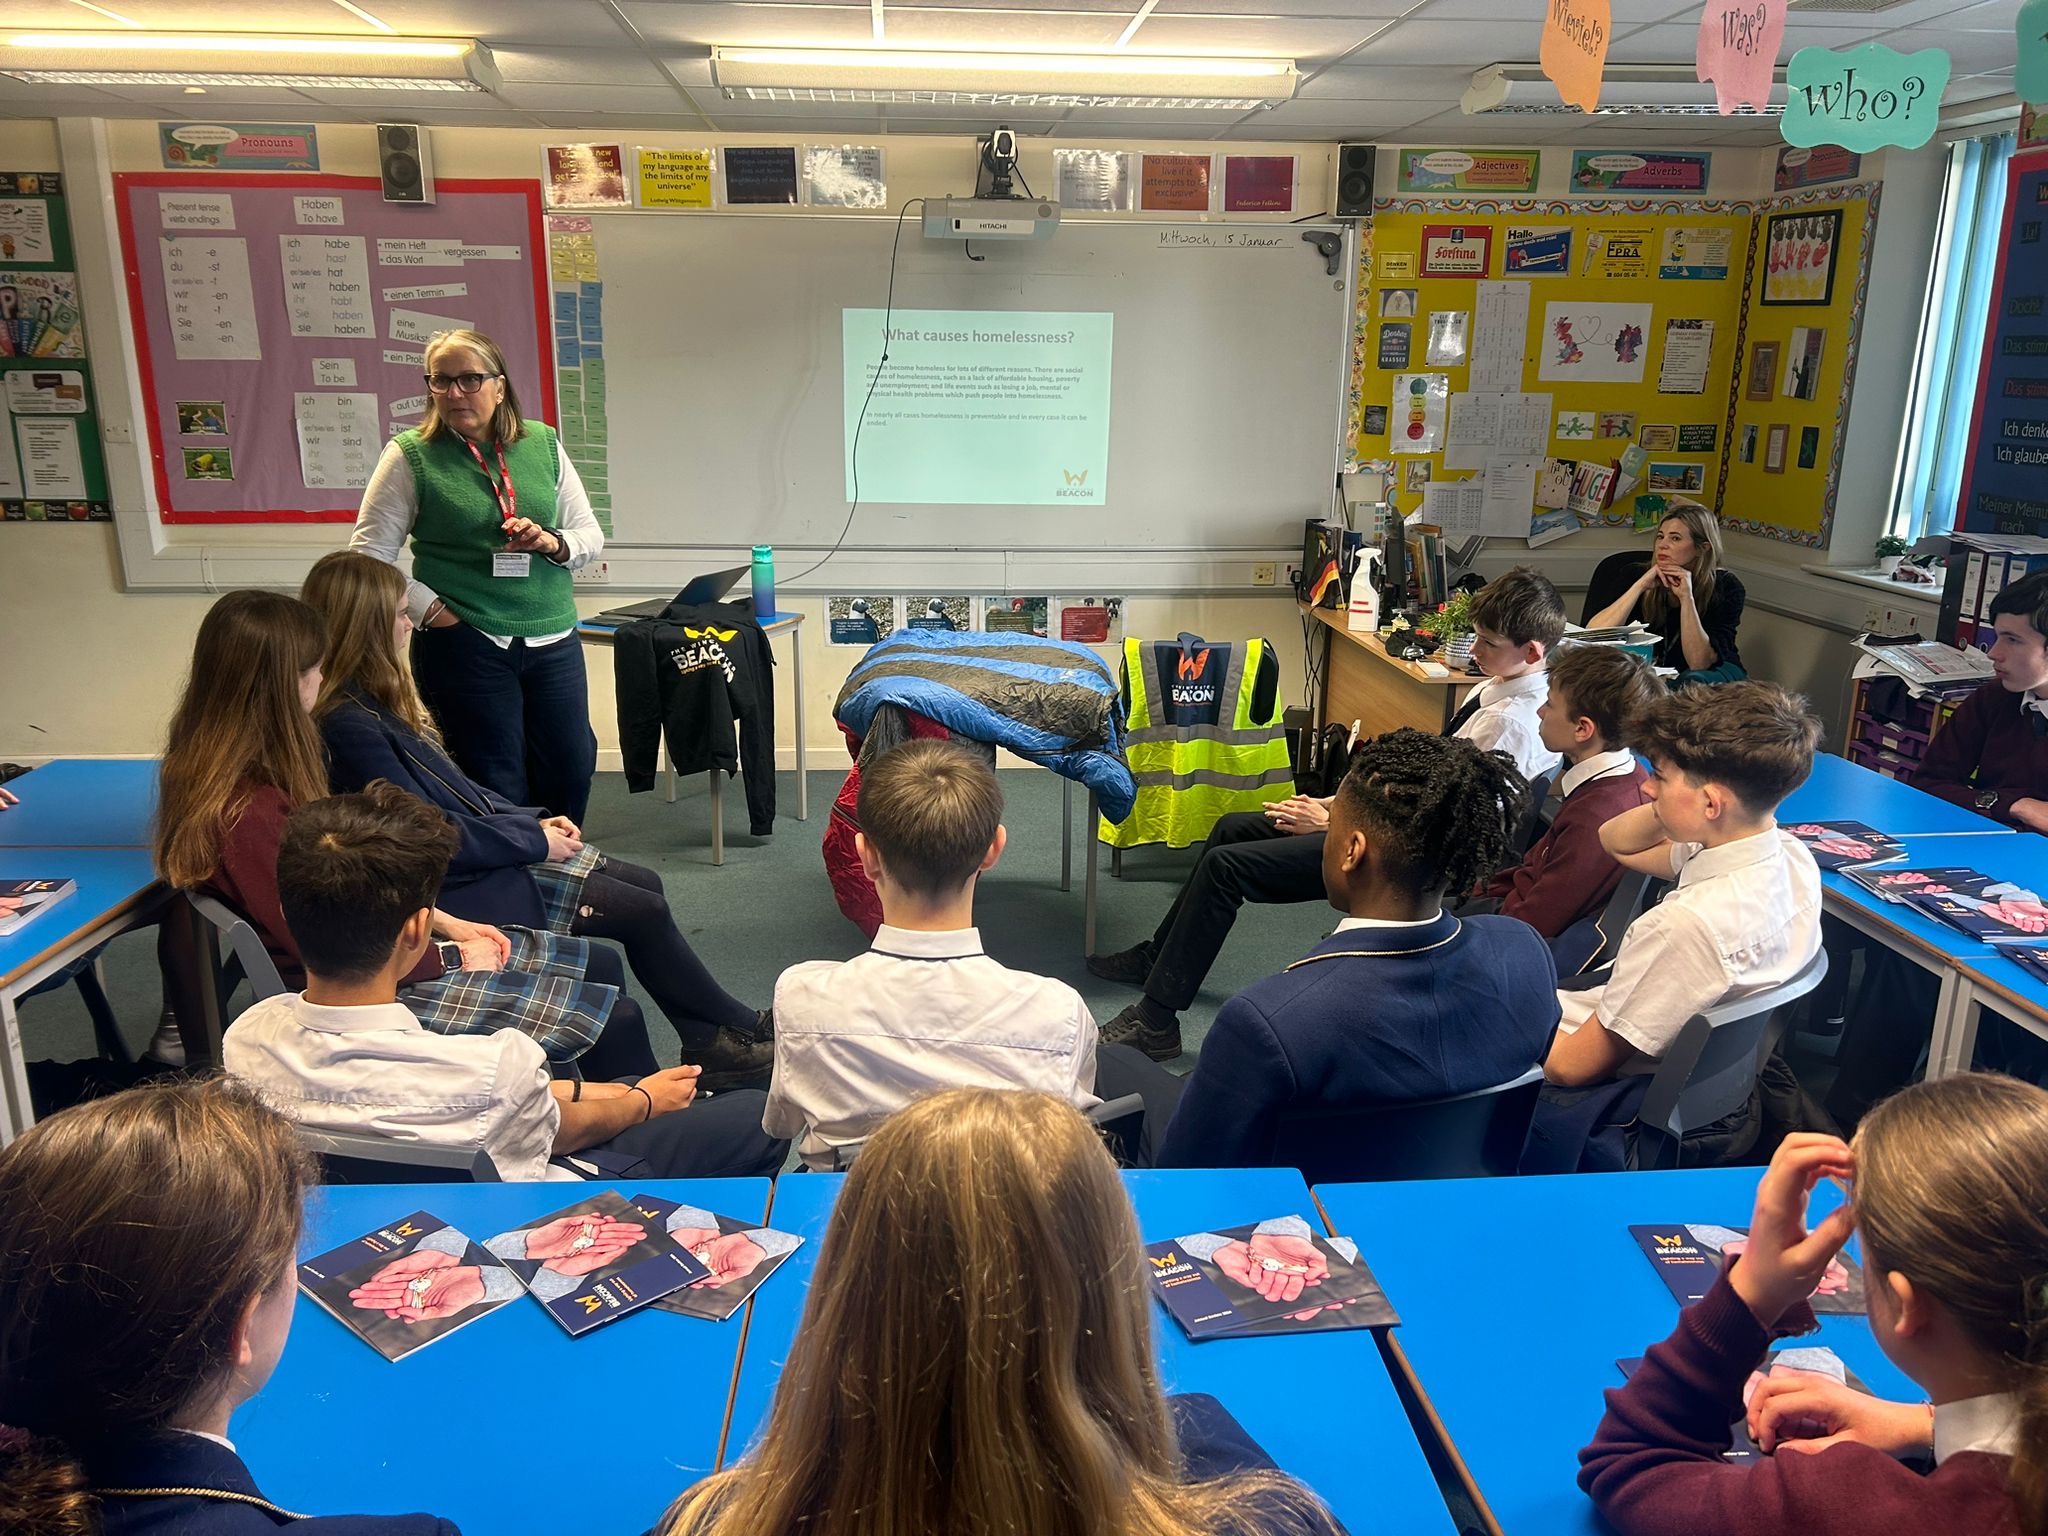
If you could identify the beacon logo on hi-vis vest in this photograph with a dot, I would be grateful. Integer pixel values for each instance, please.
(1075, 486)
(1194, 680)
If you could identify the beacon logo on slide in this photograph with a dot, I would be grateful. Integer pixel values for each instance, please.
(1076, 487)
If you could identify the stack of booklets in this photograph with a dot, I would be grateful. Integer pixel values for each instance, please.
(1274, 1276)
(1813, 1360)
(1687, 1257)
(2031, 958)
(1974, 904)
(1847, 844)
(418, 1279)
(26, 898)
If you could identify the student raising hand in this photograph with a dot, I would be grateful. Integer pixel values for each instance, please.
(1785, 1261)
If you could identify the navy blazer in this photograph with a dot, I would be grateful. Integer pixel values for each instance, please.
(1369, 1016)
(216, 1495)
(488, 880)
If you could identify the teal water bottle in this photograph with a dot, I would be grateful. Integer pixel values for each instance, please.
(764, 581)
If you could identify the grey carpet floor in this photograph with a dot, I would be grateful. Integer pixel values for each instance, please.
(771, 906)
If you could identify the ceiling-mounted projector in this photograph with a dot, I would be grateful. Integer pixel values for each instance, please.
(990, 218)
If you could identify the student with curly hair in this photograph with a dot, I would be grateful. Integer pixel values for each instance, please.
(1404, 1001)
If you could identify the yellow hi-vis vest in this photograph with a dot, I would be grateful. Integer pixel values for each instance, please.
(1189, 776)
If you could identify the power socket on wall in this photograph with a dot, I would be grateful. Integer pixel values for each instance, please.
(1262, 574)
(596, 574)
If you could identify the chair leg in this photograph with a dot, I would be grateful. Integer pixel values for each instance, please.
(106, 1029)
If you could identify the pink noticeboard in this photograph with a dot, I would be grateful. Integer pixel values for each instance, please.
(253, 434)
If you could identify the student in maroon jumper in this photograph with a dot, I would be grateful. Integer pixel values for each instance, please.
(1992, 756)
(1596, 693)
(1950, 1184)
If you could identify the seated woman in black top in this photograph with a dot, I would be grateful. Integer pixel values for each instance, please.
(148, 1269)
(1686, 596)
(976, 1356)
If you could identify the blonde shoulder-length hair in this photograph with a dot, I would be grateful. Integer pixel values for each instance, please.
(507, 425)
(1707, 557)
(358, 596)
(239, 725)
(975, 1356)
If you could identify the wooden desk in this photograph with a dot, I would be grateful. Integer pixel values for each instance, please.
(1362, 682)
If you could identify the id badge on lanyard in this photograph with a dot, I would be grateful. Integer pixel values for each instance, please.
(510, 563)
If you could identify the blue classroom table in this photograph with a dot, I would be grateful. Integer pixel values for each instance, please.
(117, 889)
(82, 803)
(1839, 790)
(1518, 1297)
(1322, 1405)
(509, 1426)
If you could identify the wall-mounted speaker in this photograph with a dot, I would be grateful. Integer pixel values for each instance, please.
(406, 166)
(1351, 198)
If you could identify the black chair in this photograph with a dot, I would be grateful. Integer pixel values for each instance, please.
(1590, 944)
(1530, 824)
(1611, 577)
(358, 1157)
(1711, 1070)
(1467, 1136)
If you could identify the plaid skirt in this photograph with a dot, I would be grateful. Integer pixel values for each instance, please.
(561, 886)
(541, 992)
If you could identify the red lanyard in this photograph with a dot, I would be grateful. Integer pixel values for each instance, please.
(507, 495)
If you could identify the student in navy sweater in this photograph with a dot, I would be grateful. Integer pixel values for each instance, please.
(1951, 1201)
(976, 1356)
(1596, 692)
(1404, 1001)
(148, 1251)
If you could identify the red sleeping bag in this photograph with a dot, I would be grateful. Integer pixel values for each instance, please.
(851, 887)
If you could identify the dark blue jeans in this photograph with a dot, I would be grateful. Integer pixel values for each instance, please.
(516, 719)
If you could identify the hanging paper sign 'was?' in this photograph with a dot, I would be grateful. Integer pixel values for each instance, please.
(1574, 49)
(2030, 81)
(1863, 98)
(1738, 50)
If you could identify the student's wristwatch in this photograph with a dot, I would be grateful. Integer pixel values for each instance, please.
(1987, 799)
(451, 954)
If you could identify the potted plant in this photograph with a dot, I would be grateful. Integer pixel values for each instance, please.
(1452, 624)
(1891, 549)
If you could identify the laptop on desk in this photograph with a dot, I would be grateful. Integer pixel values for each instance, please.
(699, 589)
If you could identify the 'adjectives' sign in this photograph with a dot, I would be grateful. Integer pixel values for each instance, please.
(1456, 250)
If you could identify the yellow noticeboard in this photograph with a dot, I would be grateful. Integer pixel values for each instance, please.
(675, 178)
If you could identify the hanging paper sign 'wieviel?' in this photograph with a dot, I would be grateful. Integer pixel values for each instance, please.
(2030, 81)
(1574, 49)
(1738, 50)
(1863, 98)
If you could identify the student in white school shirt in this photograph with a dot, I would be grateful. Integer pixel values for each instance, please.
(356, 876)
(925, 1009)
(1743, 916)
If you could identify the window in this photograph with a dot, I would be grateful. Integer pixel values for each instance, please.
(1938, 415)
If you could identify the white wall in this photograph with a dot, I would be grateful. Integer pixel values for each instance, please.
(95, 665)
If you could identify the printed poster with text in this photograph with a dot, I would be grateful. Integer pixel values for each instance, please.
(2005, 484)
(978, 408)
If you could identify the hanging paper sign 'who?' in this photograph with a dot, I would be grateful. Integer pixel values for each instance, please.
(1863, 98)
(1738, 50)
(1574, 49)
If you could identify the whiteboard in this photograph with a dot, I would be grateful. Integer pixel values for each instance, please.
(723, 356)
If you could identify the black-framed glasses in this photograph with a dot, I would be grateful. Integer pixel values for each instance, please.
(460, 383)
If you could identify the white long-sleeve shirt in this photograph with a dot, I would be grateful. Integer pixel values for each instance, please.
(391, 505)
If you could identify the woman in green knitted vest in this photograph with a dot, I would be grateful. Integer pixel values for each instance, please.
(497, 519)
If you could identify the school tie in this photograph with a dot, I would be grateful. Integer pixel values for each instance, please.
(1471, 708)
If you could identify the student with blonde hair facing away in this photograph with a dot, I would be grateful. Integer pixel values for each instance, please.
(148, 1270)
(925, 1008)
(1950, 1182)
(975, 1358)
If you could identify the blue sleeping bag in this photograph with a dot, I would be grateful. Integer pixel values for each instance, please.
(1050, 701)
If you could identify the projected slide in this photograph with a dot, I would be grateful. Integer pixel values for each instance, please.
(980, 408)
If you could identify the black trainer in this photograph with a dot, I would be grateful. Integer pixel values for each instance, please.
(1132, 1028)
(764, 1024)
(732, 1061)
(1129, 966)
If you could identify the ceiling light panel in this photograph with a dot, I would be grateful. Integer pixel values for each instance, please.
(946, 77)
(228, 59)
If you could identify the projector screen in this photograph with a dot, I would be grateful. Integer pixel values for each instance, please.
(1004, 408)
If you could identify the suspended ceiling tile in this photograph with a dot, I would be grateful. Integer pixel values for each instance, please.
(601, 126)
(1912, 13)
(1346, 83)
(1625, 13)
(1969, 52)
(1365, 13)
(789, 26)
(654, 99)
(929, 27)
(1303, 38)
(1439, 43)
(623, 65)
(572, 23)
